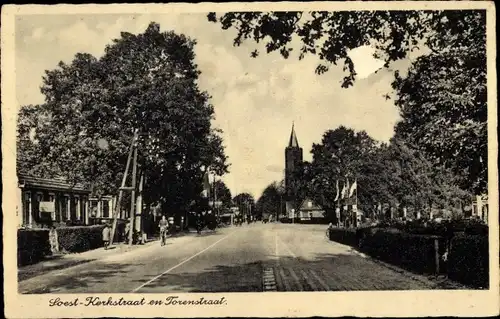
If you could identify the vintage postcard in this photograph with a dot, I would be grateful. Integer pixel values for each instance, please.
(250, 159)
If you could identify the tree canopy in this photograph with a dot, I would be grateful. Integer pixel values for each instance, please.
(223, 193)
(271, 202)
(395, 173)
(245, 203)
(93, 106)
(442, 99)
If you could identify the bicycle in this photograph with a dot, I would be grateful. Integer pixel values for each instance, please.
(163, 236)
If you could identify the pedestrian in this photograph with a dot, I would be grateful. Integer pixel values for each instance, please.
(127, 230)
(54, 242)
(105, 236)
(163, 225)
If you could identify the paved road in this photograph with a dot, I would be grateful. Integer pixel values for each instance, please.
(252, 258)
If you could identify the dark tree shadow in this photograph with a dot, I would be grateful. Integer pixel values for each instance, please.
(49, 264)
(319, 272)
(336, 272)
(85, 279)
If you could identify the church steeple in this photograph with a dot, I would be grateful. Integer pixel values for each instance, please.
(293, 138)
(293, 161)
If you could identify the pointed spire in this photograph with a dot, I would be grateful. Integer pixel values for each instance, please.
(293, 137)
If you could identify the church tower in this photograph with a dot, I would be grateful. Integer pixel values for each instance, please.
(293, 159)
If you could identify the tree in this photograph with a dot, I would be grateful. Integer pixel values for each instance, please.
(443, 106)
(92, 106)
(331, 35)
(245, 203)
(395, 173)
(271, 202)
(339, 156)
(443, 97)
(223, 193)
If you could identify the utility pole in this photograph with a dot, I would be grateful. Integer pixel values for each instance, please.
(122, 188)
(139, 222)
(132, 197)
(215, 197)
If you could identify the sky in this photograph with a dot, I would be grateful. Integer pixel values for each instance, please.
(256, 100)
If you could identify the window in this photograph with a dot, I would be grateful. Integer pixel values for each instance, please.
(94, 208)
(83, 209)
(39, 199)
(105, 208)
(77, 207)
(52, 199)
(64, 207)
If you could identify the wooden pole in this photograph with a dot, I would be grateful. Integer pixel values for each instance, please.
(120, 193)
(132, 198)
(436, 251)
(139, 222)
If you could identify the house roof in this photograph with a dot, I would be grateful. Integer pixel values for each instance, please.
(304, 206)
(56, 183)
(293, 138)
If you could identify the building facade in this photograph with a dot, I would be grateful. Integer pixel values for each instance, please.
(43, 201)
(310, 212)
(293, 161)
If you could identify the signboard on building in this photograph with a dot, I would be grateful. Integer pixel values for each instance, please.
(47, 207)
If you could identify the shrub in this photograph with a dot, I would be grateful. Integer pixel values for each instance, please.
(413, 252)
(32, 246)
(79, 239)
(468, 260)
(345, 236)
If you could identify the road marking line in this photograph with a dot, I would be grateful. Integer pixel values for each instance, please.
(308, 280)
(276, 244)
(286, 247)
(181, 263)
(296, 278)
(321, 282)
(285, 282)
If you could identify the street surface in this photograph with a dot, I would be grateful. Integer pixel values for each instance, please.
(251, 258)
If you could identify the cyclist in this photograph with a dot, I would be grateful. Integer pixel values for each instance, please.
(163, 230)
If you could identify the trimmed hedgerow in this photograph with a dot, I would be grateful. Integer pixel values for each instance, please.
(83, 238)
(468, 260)
(80, 238)
(32, 245)
(344, 236)
(413, 252)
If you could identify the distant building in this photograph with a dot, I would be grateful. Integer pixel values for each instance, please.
(309, 211)
(293, 160)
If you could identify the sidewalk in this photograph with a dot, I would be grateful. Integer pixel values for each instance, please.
(62, 261)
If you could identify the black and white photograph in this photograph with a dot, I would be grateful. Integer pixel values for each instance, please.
(189, 153)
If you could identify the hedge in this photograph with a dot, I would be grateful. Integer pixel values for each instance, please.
(344, 236)
(79, 238)
(83, 238)
(32, 246)
(413, 252)
(468, 260)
